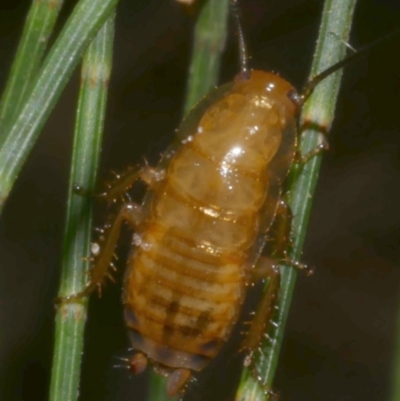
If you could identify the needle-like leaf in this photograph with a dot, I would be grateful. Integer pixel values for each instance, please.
(316, 119)
(71, 317)
(85, 21)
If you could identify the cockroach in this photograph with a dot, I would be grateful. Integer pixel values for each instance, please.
(203, 223)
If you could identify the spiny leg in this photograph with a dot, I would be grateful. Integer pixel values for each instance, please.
(122, 182)
(322, 146)
(281, 234)
(129, 212)
(280, 230)
(319, 149)
(266, 268)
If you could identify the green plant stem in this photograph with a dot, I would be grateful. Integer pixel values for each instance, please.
(208, 45)
(316, 119)
(35, 36)
(86, 19)
(71, 317)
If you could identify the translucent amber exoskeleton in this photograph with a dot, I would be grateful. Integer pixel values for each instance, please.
(202, 226)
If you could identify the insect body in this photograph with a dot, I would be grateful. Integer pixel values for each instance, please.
(202, 226)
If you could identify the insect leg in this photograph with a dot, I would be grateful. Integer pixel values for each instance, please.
(124, 181)
(281, 243)
(280, 230)
(129, 212)
(319, 149)
(266, 268)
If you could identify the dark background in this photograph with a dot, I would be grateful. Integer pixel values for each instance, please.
(339, 341)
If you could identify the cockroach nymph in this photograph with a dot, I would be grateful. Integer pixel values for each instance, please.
(203, 223)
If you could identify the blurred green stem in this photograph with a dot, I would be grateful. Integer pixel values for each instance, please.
(35, 37)
(85, 21)
(71, 317)
(208, 46)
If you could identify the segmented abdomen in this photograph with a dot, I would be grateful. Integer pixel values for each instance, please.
(206, 222)
(187, 278)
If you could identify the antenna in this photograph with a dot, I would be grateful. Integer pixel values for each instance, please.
(310, 85)
(243, 53)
